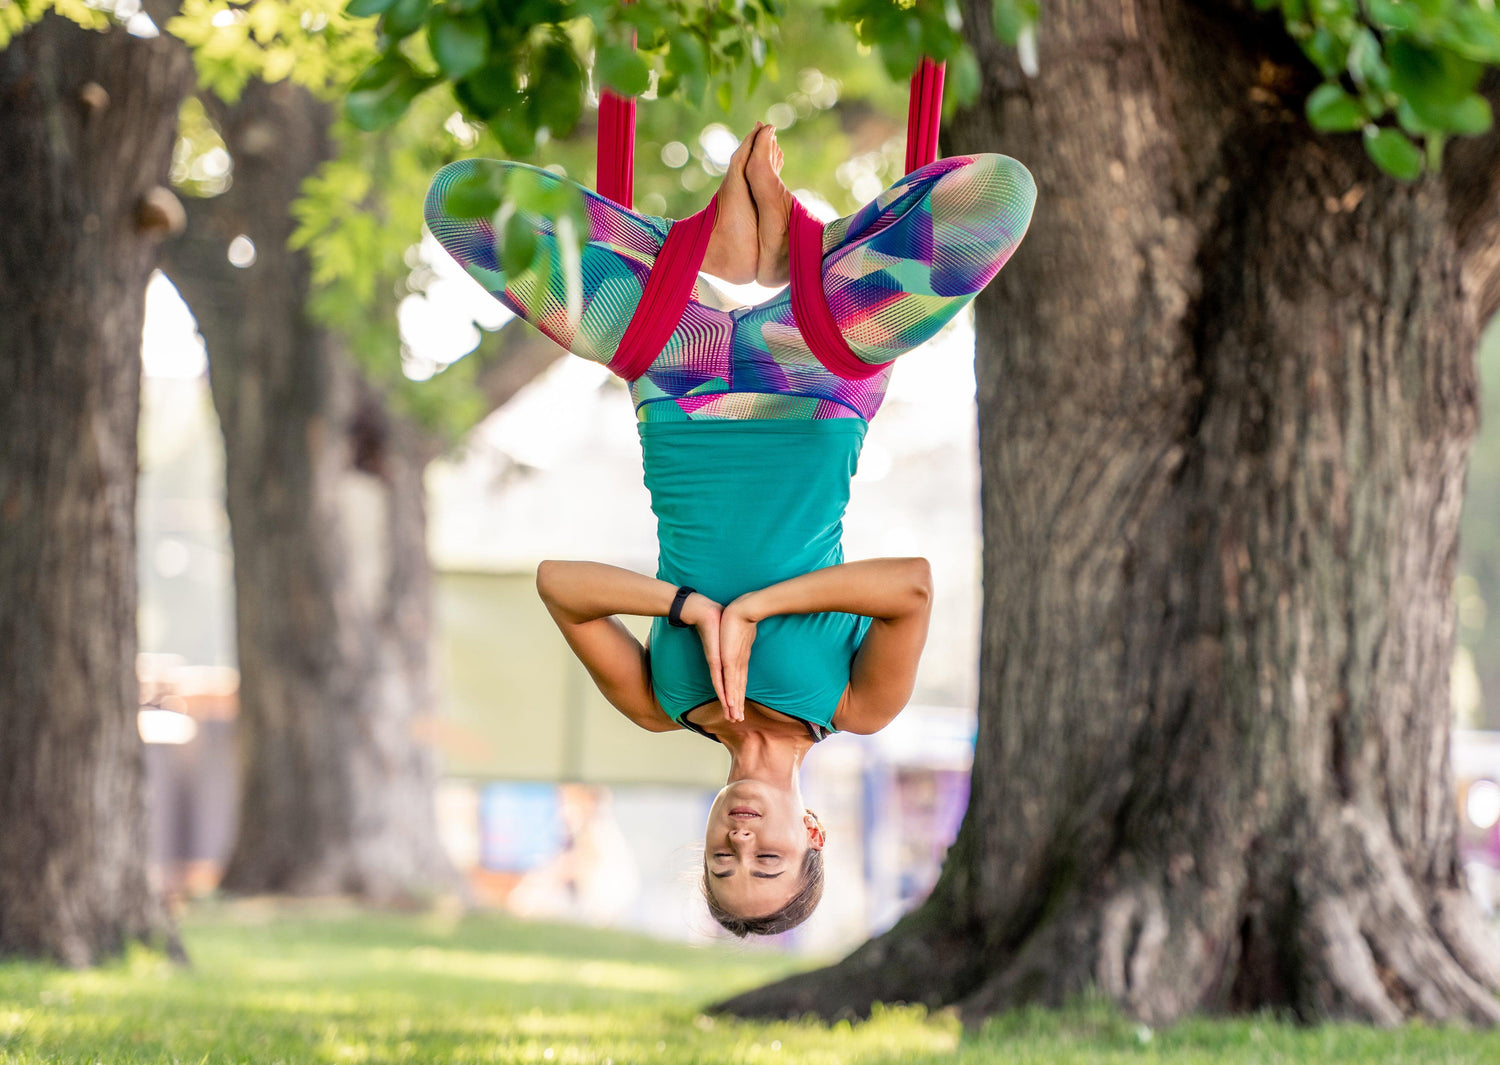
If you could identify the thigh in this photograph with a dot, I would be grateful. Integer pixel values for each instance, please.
(618, 251)
(898, 269)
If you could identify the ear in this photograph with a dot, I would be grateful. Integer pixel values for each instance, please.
(816, 837)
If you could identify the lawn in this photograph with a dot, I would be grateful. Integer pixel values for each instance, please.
(326, 984)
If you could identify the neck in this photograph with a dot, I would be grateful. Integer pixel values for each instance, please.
(772, 757)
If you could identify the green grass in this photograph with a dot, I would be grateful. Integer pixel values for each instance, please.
(329, 985)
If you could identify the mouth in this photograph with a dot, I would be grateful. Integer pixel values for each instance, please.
(743, 812)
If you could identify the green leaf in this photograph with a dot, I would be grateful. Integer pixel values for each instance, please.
(1326, 51)
(688, 60)
(962, 77)
(622, 69)
(489, 92)
(1330, 108)
(473, 197)
(1433, 80)
(1010, 19)
(380, 73)
(460, 43)
(1366, 64)
(405, 17)
(1471, 116)
(1393, 152)
(519, 244)
(1393, 15)
(557, 101)
(1334, 10)
(1410, 121)
(366, 8)
(725, 94)
(1474, 32)
(515, 127)
(378, 105)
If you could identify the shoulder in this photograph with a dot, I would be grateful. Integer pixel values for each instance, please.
(861, 718)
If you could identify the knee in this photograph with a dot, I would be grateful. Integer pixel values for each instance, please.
(991, 193)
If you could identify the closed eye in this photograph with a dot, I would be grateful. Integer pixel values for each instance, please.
(758, 876)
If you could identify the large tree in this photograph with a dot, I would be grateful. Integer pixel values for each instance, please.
(86, 130)
(1226, 392)
(333, 599)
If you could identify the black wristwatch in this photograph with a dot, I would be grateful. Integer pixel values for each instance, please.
(674, 616)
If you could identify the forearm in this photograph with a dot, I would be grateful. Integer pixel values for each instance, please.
(585, 591)
(881, 588)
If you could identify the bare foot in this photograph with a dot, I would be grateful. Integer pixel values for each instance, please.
(773, 204)
(733, 247)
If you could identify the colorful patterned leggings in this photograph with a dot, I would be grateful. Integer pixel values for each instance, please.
(894, 272)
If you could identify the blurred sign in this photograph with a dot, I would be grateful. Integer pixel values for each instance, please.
(520, 825)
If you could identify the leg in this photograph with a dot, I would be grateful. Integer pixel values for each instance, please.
(617, 253)
(898, 269)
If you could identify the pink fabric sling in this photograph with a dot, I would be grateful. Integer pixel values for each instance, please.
(669, 286)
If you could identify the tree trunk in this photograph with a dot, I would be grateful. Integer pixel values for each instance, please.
(87, 123)
(1226, 394)
(328, 523)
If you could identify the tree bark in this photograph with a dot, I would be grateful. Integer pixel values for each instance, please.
(1226, 394)
(87, 123)
(328, 525)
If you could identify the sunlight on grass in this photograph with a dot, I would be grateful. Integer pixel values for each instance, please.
(334, 986)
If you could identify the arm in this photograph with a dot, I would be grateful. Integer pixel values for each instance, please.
(895, 593)
(583, 598)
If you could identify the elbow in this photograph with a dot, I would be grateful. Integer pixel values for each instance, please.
(547, 577)
(919, 582)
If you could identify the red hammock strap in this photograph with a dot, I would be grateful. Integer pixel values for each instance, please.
(614, 174)
(668, 289)
(924, 112)
(810, 304)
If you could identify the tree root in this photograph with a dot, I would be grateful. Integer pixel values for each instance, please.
(1361, 939)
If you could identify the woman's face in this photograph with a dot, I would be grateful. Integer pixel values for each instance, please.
(754, 845)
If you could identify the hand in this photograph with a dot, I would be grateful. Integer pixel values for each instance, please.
(736, 635)
(701, 612)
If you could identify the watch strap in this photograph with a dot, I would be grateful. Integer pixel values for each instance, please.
(674, 616)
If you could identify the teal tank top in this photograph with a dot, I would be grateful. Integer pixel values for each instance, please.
(742, 504)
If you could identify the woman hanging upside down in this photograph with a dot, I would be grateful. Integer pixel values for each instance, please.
(763, 638)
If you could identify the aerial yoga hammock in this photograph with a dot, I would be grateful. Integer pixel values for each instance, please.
(751, 421)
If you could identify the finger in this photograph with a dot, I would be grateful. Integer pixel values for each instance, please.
(715, 665)
(716, 674)
(737, 691)
(731, 673)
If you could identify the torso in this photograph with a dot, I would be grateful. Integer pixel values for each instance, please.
(742, 505)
